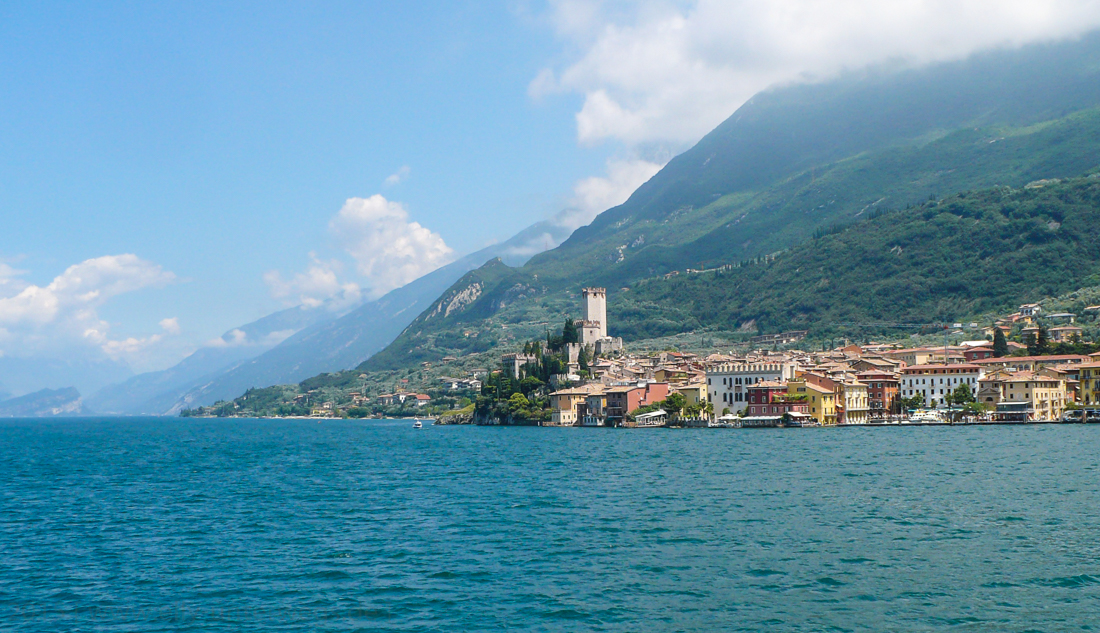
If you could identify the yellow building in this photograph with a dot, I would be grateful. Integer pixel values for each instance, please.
(1090, 384)
(694, 393)
(822, 401)
(1045, 395)
(565, 406)
(855, 403)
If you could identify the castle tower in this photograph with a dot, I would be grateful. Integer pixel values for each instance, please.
(595, 308)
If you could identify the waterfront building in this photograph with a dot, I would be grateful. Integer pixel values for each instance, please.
(933, 382)
(728, 383)
(771, 399)
(852, 403)
(882, 392)
(622, 400)
(595, 408)
(1090, 384)
(1045, 395)
(569, 406)
(694, 393)
(821, 400)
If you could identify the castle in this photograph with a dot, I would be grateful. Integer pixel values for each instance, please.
(593, 329)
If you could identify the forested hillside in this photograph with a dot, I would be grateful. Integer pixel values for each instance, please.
(942, 261)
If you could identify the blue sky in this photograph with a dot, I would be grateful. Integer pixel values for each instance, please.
(204, 164)
(218, 143)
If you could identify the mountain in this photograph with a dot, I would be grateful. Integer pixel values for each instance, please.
(296, 343)
(346, 342)
(155, 392)
(792, 162)
(44, 403)
(86, 371)
(949, 260)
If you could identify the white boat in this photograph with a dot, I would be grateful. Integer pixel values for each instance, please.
(417, 424)
(925, 416)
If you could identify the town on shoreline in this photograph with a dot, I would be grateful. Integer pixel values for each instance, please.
(1030, 366)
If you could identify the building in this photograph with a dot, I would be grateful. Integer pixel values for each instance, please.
(923, 355)
(1045, 395)
(569, 406)
(1030, 310)
(1030, 363)
(595, 407)
(782, 338)
(771, 399)
(882, 392)
(821, 400)
(1090, 384)
(514, 363)
(933, 382)
(979, 352)
(595, 313)
(852, 403)
(1065, 333)
(728, 383)
(651, 419)
(694, 393)
(623, 400)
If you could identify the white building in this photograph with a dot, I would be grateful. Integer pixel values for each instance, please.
(727, 384)
(934, 382)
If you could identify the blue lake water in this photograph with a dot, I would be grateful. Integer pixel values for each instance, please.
(241, 525)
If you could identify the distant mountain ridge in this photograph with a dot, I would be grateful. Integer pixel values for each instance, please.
(44, 403)
(322, 341)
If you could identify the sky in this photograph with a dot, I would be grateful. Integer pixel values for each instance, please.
(173, 170)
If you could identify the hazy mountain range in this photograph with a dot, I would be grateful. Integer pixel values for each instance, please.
(297, 343)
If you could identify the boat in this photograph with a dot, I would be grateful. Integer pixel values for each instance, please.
(417, 424)
(924, 416)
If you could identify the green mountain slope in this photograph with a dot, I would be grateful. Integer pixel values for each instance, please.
(942, 261)
(765, 155)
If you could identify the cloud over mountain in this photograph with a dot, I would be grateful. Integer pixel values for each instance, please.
(389, 250)
(660, 71)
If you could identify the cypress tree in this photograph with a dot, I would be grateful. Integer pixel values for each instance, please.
(1000, 345)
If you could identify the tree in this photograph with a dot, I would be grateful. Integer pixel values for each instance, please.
(1000, 345)
(1042, 341)
(674, 403)
(569, 332)
(529, 384)
(962, 395)
(518, 402)
(582, 359)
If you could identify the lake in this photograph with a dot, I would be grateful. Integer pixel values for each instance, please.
(300, 525)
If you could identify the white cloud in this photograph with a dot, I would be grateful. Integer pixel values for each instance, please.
(659, 71)
(80, 289)
(592, 196)
(389, 250)
(318, 286)
(170, 326)
(65, 310)
(399, 176)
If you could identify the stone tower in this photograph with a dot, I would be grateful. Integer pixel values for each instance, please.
(595, 308)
